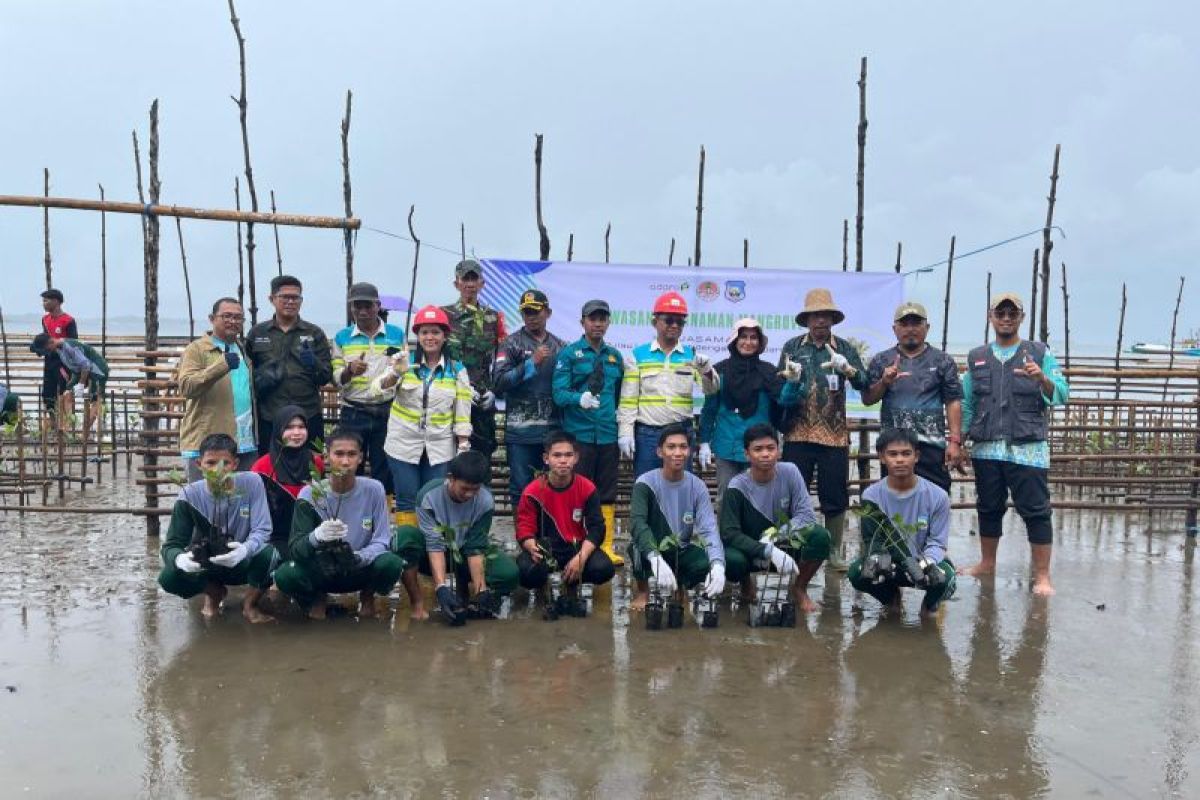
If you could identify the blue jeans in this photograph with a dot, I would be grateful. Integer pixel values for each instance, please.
(407, 479)
(645, 452)
(523, 459)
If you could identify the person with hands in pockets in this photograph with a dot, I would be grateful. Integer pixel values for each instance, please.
(657, 389)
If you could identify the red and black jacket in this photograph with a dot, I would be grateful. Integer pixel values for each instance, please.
(566, 516)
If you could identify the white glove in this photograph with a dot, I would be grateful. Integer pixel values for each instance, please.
(663, 575)
(400, 363)
(330, 530)
(486, 401)
(792, 370)
(80, 390)
(464, 445)
(701, 362)
(839, 364)
(706, 458)
(626, 446)
(185, 563)
(784, 564)
(714, 584)
(236, 555)
(589, 401)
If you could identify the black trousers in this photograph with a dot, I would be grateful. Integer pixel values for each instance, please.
(598, 463)
(371, 424)
(931, 465)
(995, 480)
(53, 381)
(597, 569)
(832, 468)
(483, 430)
(316, 431)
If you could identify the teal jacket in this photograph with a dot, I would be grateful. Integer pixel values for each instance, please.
(580, 368)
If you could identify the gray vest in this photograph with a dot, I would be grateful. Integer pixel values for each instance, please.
(1008, 406)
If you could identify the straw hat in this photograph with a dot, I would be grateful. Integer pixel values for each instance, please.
(819, 300)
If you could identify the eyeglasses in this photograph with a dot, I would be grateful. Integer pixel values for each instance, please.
(231, 317)
(1006, 313)
(289, 298)
(673, 319)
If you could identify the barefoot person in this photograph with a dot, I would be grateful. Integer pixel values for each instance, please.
(225, 505)
(340, 537)
(559, 516)
(767, 520)
(1008, 390)
(915, 549)
(671, 502)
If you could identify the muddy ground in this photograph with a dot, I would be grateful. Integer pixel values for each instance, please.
(112, 689)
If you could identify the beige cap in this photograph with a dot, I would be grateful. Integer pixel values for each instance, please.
(1008, 297)
(910, 309)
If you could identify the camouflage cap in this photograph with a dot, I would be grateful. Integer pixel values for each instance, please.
(468, 266)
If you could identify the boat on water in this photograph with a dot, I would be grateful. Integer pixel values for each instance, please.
(1184, 348)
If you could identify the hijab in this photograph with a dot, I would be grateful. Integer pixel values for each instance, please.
(744, 378)
(292, 464)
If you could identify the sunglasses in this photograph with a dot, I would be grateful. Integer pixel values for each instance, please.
(1006, 313)
(673, 319)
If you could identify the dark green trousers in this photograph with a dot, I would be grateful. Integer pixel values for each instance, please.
(690, 564)
(499, 569)
(301, 579)
(886, 592)
(254, 572)
(740, 563)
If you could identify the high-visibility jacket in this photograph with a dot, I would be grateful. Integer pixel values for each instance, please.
(351, 344)
(431, 408)
(657, 389)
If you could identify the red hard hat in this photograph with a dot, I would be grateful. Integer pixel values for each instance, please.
(671, 303)
(431, 315)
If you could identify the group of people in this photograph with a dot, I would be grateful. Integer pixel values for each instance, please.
(419, 425)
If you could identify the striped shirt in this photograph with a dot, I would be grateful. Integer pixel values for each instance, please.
(431, 408)
(657, 388)
(350, 344)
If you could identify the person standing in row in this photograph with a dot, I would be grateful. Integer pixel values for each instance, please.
(1008, 390)
(816, 438)
(57, 324)
(587, 385)
(921, 392)
(362, 352)
(214, 378)
(524, 376)
(657, 389)
(430, 419)
(476, 332)
(291, 363)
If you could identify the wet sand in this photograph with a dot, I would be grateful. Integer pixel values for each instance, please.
(117, 690)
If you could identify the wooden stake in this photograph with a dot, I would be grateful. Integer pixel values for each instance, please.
(412, 291)
(949, 278)
(845, 245)
(671, 253)
(275, 228)
(237, 203)
(348, 243)
(187, 283)
(1174, 321)
(607, 233)
(570, 246)
(1120, 338)
(543, 235)
(240, 101)
(151, 251)
(187, 212)
(103, 280)
(699, 207)
(46, 229)
(1066, 319)
(987, 321)
(862, 158)
(1047, 246)
(745, 254)
(4, 341)
(462, 234)
(899, 250)
(1033, 297)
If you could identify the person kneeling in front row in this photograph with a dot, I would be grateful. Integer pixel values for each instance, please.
(340, 535)
(905, 530)
(454, 520)
(559, 523)
(218, 535)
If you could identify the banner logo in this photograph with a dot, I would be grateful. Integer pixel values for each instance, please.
(708, 291)
(735, 291)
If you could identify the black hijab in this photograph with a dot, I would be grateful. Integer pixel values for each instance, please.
(743, 377)
(291, 464)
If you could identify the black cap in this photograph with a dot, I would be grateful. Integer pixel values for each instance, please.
(53, 294)
(363, 291)
(39, 345)
(468, 266)
(535, 299)
(592, 306)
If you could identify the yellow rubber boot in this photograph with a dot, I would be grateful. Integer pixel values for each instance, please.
(609, 513)
(401, 518)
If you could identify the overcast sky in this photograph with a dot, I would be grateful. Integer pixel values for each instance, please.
(966, 102)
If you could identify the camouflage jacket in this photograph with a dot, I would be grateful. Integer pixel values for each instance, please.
(475, 336)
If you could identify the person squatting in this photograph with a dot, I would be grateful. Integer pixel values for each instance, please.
(400, 488)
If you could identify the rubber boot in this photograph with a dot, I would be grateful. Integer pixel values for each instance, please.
(836, 525)
(609, 514)
(401, 518)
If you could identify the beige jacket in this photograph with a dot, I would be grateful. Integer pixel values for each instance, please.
(203, 378)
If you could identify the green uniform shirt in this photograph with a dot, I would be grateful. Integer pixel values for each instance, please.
(281, 375)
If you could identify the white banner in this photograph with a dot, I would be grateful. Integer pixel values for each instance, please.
(716, 298)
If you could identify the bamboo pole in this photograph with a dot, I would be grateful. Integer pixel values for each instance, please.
(671, 253)
(845, 245)
(1047, 246)
(899, 251)
(607, 234)
(1066, 319)
(949, 279)
(862, 158)
(462, 240)
(1120, 337)
(187, 281)
(237, 203)
(1033, 298)
(240, 102)
(699, 208)
(412, 292)
(151, 252)
(275, 230)
(745, 254)
(987, 316)
(1174, 322)
(157, 210)
(103, 279)
(543, 235)
(348, 243)
(46, 229)
(4, 342)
